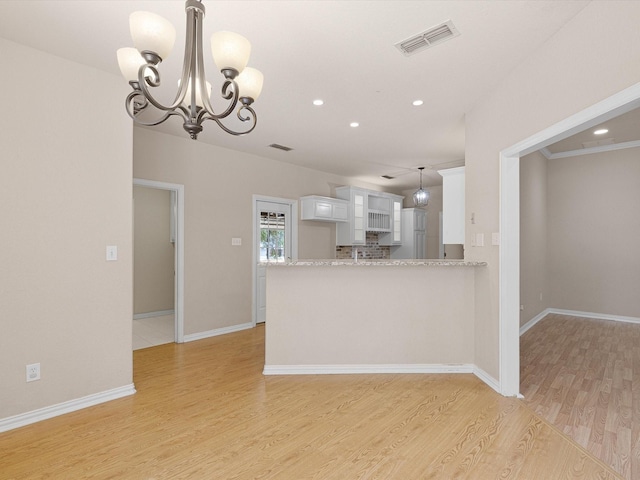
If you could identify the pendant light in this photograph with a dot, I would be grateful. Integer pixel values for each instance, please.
(421, 197)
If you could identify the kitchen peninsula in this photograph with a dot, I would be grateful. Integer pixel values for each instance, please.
(345, 316)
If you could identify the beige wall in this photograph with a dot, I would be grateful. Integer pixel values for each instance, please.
(65, 194)
(219, 185)
(153, 252)
(594, 56)
(594, 230)
(534, 278)
(363, 315)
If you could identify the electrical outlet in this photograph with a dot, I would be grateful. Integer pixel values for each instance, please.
(33, 372)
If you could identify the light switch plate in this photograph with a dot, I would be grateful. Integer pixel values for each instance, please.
(479, 239)
(495, 238)
(112, 253)
(236, 241)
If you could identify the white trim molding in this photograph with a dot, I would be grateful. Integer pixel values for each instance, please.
(179, 257)
(437, 368)
(486, 378)
(509, 274)
(34, 416)
(575, 313)
(587, 151)
(354, 369)
(159, 313)
(217, 331)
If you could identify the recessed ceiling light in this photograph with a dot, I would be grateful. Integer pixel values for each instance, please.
(354, 124)
(602, 131)
(318, 102)
(417, 103)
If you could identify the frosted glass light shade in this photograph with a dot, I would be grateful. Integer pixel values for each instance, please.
(152, 32)
(421, 197)
(230, 50)
(187, 97)
(250, 83)
(129, 61)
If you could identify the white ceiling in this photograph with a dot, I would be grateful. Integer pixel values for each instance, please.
(621, 129)
(340, 51)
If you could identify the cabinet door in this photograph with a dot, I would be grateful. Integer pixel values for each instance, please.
(359, 234)
(452, 205)
(420, 220)
(419, 244)
(397, 223)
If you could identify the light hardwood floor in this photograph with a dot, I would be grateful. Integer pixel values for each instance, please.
(583, 376)
(205, 411)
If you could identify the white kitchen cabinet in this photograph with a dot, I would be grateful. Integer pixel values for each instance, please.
(395, 236)
(370, 211)
(414, 234)
(324, 209)
(352, 232)
(452, 205)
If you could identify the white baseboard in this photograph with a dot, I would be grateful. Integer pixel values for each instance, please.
(34, 416)
(600, 316)
(385, 368)
(576, 313)
(218, 331)
(486, 378)
(159, 313)
(354, 369)
(527, 326)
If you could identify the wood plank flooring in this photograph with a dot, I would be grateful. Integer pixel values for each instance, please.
(583, 376)
(205, 411)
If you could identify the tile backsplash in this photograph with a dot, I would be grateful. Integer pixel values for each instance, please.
(369, 251)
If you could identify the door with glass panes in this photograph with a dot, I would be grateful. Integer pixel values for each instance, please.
(273, 244)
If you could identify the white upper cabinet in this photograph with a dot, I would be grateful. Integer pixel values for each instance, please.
(353, 232)
(452, 205)
(324, 209)
(370, 211)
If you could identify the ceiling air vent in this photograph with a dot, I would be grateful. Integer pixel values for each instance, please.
(281, 147)
(429, 38)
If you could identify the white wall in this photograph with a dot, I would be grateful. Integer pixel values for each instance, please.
(594, 231)
(65, 194)
(594, 56)
(219, 185)
(153, 252)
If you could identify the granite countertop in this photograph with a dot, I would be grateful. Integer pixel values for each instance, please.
(375, 263)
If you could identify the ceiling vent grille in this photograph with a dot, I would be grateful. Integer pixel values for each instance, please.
(281, 147)
(429, 38)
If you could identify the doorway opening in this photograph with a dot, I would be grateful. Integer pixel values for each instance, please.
(175, 236)
(275, 240)
(509, 270)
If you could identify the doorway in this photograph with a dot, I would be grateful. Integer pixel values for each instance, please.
(509, 269)
(174, 235)
(275, 240)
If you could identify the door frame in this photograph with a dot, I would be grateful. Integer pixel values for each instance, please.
(256, 241)
(178, 189)
(509, 268)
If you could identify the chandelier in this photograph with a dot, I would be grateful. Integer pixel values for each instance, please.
(153, 37)
(421, 196)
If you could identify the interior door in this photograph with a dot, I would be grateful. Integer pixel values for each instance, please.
(273, 244)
